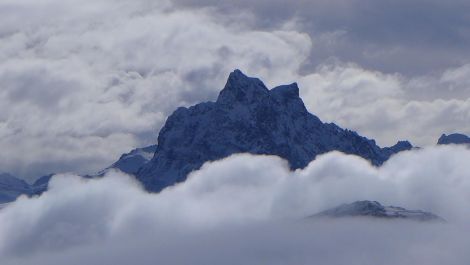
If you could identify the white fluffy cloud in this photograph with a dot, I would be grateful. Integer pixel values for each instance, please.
(83, 82)
(248, 210)
(390, 107)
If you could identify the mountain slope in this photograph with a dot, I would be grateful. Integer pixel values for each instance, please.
(249, 118)
(376, 210)
(41, 185)
(131, 162)
(455, 138)
(12, 187)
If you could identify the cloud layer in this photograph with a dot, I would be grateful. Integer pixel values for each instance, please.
(250, 210)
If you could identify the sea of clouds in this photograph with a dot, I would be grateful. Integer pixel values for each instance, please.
(249, 209)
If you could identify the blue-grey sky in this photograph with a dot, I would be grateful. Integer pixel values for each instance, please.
(83, 82)
(409, 37)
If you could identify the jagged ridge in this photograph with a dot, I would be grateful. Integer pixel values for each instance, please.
(249, 118)
(377, 210)
(11, 187)
(455, 138)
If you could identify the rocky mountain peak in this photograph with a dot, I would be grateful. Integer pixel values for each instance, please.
(248, 118)
(286, 91)
(242, 89)
(373, 209)
(454, 138)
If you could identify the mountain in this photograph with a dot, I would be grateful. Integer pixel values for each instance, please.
(455, 138)
(11, 187)
(247, 117)
(398, 147)
(41, 185)
(376, 210)
(131, 162)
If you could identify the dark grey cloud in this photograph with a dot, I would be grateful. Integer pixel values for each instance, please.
(409, 37)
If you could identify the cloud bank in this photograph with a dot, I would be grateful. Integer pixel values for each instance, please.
(248, 210)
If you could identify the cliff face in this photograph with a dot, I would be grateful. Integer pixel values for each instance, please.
(249, 118)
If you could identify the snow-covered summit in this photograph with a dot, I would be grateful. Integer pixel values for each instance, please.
(375, 209)
(249, 118)
(131, 162)
(241, 89)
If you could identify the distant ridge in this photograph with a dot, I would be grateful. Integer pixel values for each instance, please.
(455, 138)
(12, 187)
(131, 162)
(374, 209)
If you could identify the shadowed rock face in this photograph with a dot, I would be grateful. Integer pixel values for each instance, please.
(12, 187)
(455, 138)
(249, 118)
(376, 210)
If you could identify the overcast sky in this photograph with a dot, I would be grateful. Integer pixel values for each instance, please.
(83, 81)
